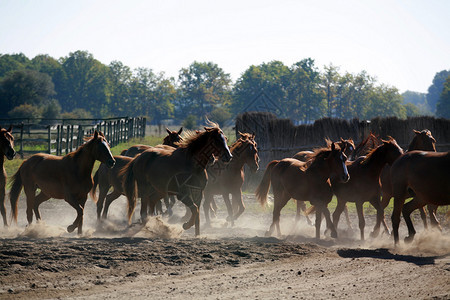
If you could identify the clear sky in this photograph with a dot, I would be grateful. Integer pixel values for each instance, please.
(401, 43)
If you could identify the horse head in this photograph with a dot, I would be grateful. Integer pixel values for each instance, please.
(423, 140)
(7, 143)
(173, 138)
(391, 150)
(100, 149)
(336, 161)
(248, 150)
(218, 143)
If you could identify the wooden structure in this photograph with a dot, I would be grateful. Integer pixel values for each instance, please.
(66, 135)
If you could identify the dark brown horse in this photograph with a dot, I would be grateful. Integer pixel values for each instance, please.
(6, 149)
(349, 147)
(156, 171)
(292, 178)
(225, 179)
(423, 175)
(364, 184)
(106, 177)
(423, 140)
(68, 177)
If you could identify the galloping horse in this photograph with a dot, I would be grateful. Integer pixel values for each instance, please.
(106, 177)
(6, 149)
(68, 177)
(423, 140)
(155, 172)
(423, 175)
(292, 178)
(364, 184)
(228, 179)
(349, 147)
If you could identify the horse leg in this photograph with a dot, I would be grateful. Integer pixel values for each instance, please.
(407, 209)
(362, 221)
(240, 201)
(109, 199)
(399, 201)
(103, 191)
(144, 205)
(208, 198)
(41, 197)
(301, 206)
(79, 207)
(226, 200)
(347, 218)
(376, 203)
(157, 209)
(341, 205)
(168, 207)
(432, 212)
(280, 200)
(194, 211)
(30, 193)
(2, 206)
(330, 224)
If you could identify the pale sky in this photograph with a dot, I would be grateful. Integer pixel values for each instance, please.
(401, 43)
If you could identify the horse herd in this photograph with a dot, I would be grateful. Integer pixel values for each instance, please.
(202, 165)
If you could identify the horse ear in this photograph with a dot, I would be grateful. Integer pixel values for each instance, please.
(95, 134)
(180, 131)
(168, 131)
(253, 135)
(333, 146)
(416, 131)
(10, 128)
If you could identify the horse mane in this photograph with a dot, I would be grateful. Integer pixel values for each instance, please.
(372, 151)
(196, 139)
(318, 154)
(87, 139)
(244, 137)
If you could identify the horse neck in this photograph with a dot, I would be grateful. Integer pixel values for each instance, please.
(376, 161)
(414, 145)
(319, 169)
(84, 160)
(238, 161)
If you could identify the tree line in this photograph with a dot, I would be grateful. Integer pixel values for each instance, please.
(80, 86)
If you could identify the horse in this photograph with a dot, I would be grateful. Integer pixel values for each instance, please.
(423, 140)
(364, 184)
(365, 146)
(349, 147)
(6, 150)
(423, 175)
(172, 139)
(106, 177)
(68, 177)
(156, 173)
(225, 179)
(291, 178)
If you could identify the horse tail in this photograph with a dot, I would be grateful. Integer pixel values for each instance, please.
(16, 188)
(94, 187)
(129, 187)
(263, 187)
(310, 210)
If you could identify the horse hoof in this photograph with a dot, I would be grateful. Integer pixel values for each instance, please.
(374, 234)
(229, 219)
(71, 228)
(267, 234)
(186, 226)
(409, 239)
(334, 234)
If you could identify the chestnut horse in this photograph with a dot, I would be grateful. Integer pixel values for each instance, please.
(6, 149)
(228, 179)
(68, 177)
(364, 184)
(106, 177)
(156, 173)
(423, 140)
(423, 175)
(349, 147)
(292, 178)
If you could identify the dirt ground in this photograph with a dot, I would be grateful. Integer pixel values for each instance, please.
(159, 260)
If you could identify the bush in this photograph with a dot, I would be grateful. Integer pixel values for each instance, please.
(190, 122)
(220, 115)
(25, 111)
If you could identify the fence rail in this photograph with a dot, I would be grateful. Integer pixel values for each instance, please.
(60, 139)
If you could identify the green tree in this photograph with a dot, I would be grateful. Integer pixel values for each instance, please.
(385, 101)
(273, 78)
(25, 87)
(12, 62)
(443, 106)
(87, 84)
(120, 77)
(435, 90)
(330, 80)
(25, 111)
(412, 110)
(203, 86)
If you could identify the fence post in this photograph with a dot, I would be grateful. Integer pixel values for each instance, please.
(67, 139)
(144, 123)
(21, 140)
(49, 140)
(71, 138)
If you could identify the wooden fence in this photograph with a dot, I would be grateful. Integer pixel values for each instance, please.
(280, 138)
(65, 135)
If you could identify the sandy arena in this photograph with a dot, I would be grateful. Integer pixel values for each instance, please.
(161, 261)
